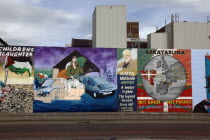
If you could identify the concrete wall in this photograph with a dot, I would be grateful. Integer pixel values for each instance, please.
(182, 35)
(149, 41)
(188, 35)
(94, 29)
(169, 31)
(109, 27)
(158, 40)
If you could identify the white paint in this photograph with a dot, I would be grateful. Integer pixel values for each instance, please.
(150, 98)
(69, 63)
(23, 65)
(148, 74)
(45, 76)
(165, 107)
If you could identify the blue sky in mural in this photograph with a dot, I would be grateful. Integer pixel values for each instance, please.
(55, 22)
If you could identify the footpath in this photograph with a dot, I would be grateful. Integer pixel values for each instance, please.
(104, 117)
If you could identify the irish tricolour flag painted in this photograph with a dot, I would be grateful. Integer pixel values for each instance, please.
(18, 65)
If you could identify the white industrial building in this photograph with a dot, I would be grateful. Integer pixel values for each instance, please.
(181, 35)
(109, 26)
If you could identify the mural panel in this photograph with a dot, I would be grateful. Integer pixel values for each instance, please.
(16, 79)
(75, 80)
(50, 79)
(199, 79)
(164, 81)
(127, 79)
(207, 60)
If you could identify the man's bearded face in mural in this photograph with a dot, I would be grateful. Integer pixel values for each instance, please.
(127, 55)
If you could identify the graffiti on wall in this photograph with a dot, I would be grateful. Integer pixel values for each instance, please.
(75, 80)
(164, 83)
(16, 79)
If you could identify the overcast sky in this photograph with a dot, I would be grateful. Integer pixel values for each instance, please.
(55, 22)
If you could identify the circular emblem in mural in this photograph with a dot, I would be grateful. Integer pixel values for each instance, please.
(164, 77)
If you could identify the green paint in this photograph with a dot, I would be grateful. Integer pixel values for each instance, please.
(140, 87)
(143, 108)
(143, 59)
(19, 70)
(1, 84)
(183, 107)
(119, 53)
(81, 61)
(187, 87)
(48, 72)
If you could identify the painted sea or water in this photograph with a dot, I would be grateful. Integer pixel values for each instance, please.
(86, 104)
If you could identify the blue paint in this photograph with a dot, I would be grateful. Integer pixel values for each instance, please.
(86, 104)
(207, 74)
(124, 96)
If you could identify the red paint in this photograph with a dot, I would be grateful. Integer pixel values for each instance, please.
(154, 108)
(185, 93)
(181, 107)
(186, 62)
(142, 93)
(40, 75)
(9, 61)
(147, 76)
(208, 57)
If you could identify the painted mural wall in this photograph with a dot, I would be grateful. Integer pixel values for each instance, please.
(199, 82)
(16, 79)
(207, 87)
(127, 79)
(75, 80)
(60, 79)
(165, 83)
